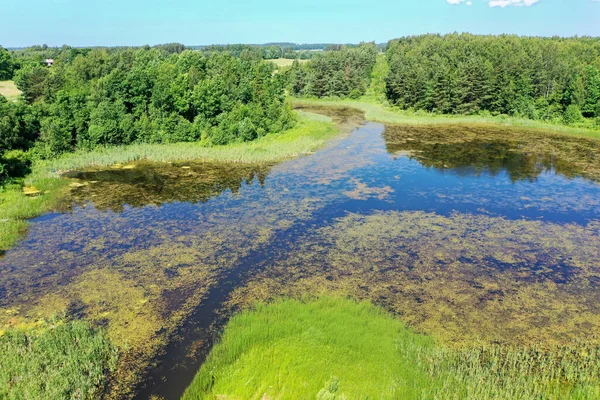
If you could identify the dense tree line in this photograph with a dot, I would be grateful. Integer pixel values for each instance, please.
(7, 65)
(345, 72)
(538, 78)
(97, 98)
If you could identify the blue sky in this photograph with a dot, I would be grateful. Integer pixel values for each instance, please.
(138, 22)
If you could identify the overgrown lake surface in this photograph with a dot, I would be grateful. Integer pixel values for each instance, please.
(471, 234)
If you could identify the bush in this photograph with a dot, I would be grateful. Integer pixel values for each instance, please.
(572, 115)
(14, 164)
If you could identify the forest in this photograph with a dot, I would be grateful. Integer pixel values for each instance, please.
(100, 98)
(345, 72)
(538, 78)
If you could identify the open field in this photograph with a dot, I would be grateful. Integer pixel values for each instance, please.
(286, 62)
(55, 360)
(9, 90)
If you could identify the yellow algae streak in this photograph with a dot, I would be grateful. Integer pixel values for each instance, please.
(461, 278)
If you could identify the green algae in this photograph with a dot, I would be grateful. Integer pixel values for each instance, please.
(462, 278)
(365, 192)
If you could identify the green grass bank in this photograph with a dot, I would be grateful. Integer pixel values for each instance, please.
(334, 348)
(377, 111)
(311, 132)
(55, 360)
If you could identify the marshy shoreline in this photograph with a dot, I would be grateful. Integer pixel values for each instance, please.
(312, 133)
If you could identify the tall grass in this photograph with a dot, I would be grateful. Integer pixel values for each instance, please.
(335, 348)
(55, 360)
(310, 133)
(16, 207)
(294, 350)
(499, 372)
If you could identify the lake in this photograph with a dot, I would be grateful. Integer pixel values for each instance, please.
(472, 234)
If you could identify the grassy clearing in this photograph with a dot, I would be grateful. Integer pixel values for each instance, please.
(55, 360)
(376, 90)
(334, 348)
(9, 90)
(375, 111)
(286, 62)
(311, 132)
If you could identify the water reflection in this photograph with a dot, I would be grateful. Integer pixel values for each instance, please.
(146, 183)
(523, 155)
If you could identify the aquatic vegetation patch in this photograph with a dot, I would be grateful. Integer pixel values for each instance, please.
(462, 278)
(364, 191)
(335, 348)
(322, 349)
(55, 359)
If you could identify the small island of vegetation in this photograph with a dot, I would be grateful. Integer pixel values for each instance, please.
(335, 348)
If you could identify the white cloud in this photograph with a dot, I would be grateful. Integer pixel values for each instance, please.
(518, 3)
(500, 3)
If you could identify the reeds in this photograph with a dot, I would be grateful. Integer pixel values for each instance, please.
(55, 360)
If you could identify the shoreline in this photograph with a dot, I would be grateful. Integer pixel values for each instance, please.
(376, 112)
(311, 132)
